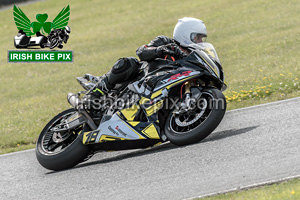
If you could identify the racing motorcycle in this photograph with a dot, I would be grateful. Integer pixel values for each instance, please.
(178, 101)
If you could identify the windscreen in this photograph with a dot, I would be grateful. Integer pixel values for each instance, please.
(208, 48)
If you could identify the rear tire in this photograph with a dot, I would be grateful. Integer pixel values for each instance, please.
(72, 151)
(200, 129)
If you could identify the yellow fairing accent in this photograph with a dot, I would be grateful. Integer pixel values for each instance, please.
(157, 93)
(134, 123)
(143, 100)
(85, 137)
(131, 112)
(106, 138)
(151, 132)
(90, 137)
(214, 69)
(182, 80)
(210, 52)
(155, 107)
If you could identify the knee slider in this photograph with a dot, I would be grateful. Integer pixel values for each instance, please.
(125, 68)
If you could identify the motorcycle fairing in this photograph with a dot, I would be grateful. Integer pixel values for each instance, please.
(153, 101)
(143, 128)
(167, 81)
(209, 64)
(126, 125)
(91, 137)
(118, 128)
(130, 113)
(175, 78)
(153, 108)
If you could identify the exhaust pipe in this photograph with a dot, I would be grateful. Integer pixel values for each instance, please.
(73, 100)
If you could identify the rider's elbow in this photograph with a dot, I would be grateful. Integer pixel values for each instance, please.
(145, 54)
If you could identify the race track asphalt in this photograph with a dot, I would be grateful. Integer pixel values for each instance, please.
(251, 146)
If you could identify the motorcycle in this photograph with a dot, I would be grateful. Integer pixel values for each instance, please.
(178, 101)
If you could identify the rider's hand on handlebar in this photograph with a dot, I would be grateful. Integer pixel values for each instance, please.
(170, 49)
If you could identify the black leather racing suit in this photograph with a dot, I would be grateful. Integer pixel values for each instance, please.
(149, 52)
(126, 68)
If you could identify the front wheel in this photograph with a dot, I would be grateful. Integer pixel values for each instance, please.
(58, 148)
(194, 125)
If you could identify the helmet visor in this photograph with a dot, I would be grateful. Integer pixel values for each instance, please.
(198, 37)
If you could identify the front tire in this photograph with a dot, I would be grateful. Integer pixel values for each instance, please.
(60, 150)
(192, 127)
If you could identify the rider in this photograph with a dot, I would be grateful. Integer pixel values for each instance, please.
(188, 30)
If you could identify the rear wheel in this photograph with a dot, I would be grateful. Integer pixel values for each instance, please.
(194, 125)
(57, 150)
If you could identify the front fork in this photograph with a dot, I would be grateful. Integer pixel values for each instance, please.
(188, 102)
(188, 94)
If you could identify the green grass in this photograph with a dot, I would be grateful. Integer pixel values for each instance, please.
(288, 190)
(256, 41)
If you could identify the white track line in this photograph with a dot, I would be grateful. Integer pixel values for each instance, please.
(247, 187)
(17, 152)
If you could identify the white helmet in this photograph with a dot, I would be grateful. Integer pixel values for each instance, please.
(187, 29)
(68, 29)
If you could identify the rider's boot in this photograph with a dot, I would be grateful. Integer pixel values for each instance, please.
(93, 99)
(102, 87)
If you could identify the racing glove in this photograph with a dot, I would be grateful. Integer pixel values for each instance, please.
(170, 49)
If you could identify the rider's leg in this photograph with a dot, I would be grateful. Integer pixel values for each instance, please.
(123, 70)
